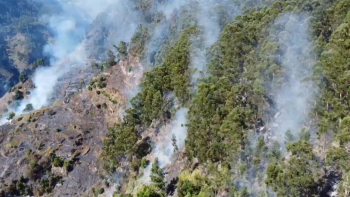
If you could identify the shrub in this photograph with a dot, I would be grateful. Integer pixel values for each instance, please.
(38, 62)
(23, 77)
(18, 95)
(67, 165)
(58, 162)
(135, 165)
(144, 163)
(11, 116)
(29, 107)
(148, 191)
(102, 85)
(98, 192)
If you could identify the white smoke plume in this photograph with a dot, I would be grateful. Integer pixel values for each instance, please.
(209, 21)
(164, 149)
(293, 92)
(295, 96)
(171, 6)
(68, 48)
(208, 18)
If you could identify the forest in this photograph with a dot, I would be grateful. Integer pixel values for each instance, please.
(237, 98)
(234, 104)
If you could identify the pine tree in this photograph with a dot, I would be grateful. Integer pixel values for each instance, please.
(148, 191)
(157, 177)
(173, 139)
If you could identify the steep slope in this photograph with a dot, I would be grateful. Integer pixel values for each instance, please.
(73, 131)
(22, 39)
(215, 98)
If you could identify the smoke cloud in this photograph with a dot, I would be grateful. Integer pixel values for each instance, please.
(69, 48)
(208, 21)
(293, 93)
(65, 52)
(169, 8)
(210, 17)
(294, 97)
(164, 149)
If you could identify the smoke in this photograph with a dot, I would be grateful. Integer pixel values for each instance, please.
(295, 95)
(120, 20)
(65, 51)
(209, 22)
(164, 148)
(211, 17)
(208, 18)
(170, 7)
(70, 48)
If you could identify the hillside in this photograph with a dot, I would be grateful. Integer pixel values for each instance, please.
(180, 98)
(22, 39)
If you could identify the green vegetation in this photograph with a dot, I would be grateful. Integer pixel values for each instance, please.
(236, 99)
(138, 42)
(18, 188)
(296, 176)
(229, 147)
(98, 83)
(144, 163)
(35, 173)
(56, 161)
(109, 98)
(29, 107)
(172, 75)
(104, 105)
(38, 62)
(22, 38)
(173, 139)
(47, 185)
(98, 192)
(157, 187)
(158, 178)
(123, 48)
(11, 116)
(148, 191)
(18, 95)
(23, 77)
(192, 184)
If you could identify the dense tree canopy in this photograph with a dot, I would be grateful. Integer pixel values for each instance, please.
(230, 108)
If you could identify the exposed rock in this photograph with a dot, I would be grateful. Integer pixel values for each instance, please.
(59, 171)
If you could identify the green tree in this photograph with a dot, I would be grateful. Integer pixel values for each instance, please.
(174, 143)
(29, 107)
(23, 77)
(191, 185)
(148, 191)
(158, 177)
(122, 49)
(38, 62)
(18, 95)
(111, 59)
(296, 176)
(11, 116)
